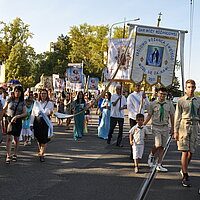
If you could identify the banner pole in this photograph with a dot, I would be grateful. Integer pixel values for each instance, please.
(142, 100)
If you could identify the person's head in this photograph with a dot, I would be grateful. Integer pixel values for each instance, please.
(19, 93)
(108, 95)
(190, 87)
(138, 87)
(30, 94)
(43, 95)
(29, 102)
(118, 90)
(162, 93)
(80, 96)
(140, 119)
(35, 95)
(1, 90)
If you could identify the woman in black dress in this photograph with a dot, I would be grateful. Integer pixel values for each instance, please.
(40, 127)
(16, 110)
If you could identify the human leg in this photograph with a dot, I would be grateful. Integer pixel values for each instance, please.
(120, 134)
(8, 145)
(132, 123)
(113, 123)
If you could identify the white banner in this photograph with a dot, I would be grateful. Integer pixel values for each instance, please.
(154, 55)
(116, 55)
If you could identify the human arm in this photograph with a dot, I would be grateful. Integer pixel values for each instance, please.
(115, 102)
(131, 139)
(177, 120)
(24, 114)
(147, 119)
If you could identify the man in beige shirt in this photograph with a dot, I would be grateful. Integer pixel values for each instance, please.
(187, 118)
(160, 111)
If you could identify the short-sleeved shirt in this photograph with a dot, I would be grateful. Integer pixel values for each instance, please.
(115, 112)
(139, 134)
(183, 111)
(12, 105)
(154, 110)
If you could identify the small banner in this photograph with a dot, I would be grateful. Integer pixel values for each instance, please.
(93, 83)
(116, 55)
(154, 55)
(47, 82)
(75, 74)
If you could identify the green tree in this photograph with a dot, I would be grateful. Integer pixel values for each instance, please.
(19, 65)
(13, 33)
(54, 62)
(17, 54)
(88, 44)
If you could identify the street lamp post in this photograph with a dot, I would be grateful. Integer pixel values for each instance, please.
(121, 23)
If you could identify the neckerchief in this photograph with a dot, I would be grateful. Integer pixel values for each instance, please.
(161, 110)
(192, 108)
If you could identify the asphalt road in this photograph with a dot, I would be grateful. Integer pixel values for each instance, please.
(90, 169)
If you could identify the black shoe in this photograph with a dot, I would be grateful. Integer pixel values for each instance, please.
(119, 145)
(186, 181)
(108, 141)
(42, 159)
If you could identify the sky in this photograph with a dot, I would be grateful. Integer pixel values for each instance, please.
(48, 19)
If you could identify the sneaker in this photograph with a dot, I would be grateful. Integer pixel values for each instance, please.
(151, 160)
(181, 172)
(160, 168)
(136, 170)
(186, 181)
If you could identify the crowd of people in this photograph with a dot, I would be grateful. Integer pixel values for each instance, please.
(24, 115)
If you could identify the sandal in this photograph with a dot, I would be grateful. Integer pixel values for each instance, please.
(14, 158)
(8, 160)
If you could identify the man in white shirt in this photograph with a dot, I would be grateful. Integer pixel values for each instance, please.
(118, 104)
(133, 105)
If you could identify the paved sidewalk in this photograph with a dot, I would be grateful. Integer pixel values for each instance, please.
(90, 169)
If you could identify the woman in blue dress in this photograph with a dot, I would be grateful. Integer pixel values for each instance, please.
(104, 126)
(79, 105)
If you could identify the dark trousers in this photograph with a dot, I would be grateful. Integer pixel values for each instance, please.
(113, 123)
(132, 123)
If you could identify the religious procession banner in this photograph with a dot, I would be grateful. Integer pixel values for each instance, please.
(47, 82)
(117, 56)
(75, 74)
(93, 83)
(154, 55)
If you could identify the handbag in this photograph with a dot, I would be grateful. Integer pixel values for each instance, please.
(12, 125)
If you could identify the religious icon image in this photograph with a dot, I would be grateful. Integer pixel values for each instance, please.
(75, 75)
(122, 58)
(93, 83)
(154, 56)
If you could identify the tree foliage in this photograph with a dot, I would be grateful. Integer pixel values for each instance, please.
(54, 62)
(88, 44)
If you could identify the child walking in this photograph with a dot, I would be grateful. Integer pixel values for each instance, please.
(26, 132)
(138, 134)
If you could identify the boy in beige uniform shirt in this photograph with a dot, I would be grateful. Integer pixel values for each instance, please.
(187, 118)
(160, 111)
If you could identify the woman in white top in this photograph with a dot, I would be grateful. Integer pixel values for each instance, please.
(42, 107)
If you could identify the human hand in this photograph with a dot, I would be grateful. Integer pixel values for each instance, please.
(176, 136)
(143, 95)
(131, 143)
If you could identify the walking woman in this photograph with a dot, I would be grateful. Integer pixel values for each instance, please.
(104, 126)
(79, 105)
(40, 120)
(16, 110)
(68, 108)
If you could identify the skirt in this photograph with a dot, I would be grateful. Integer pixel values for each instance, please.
(40, 130)
(16, 128)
